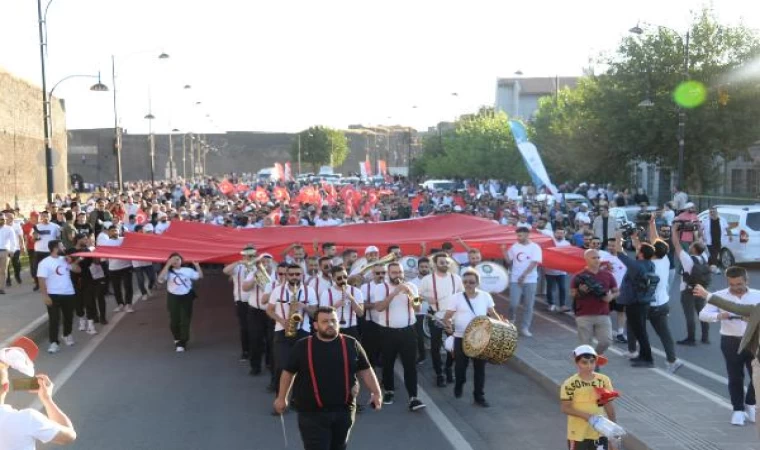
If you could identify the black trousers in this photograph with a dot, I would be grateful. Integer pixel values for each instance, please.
(14, 261)
(692, 305)
(325, 430)
(257, 332)
(636, 315)
(460, 368)
(403, 342)
(36, 258)
(714, 251)
(63, 305)
(122, 278)
(658, 317)
(736, 363)
(420, 330)
(99, 294)
(85, 300)
(241, 311)
(372, 341)
(282, 347)
(436, 342)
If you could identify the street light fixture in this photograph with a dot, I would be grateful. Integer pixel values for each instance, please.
(646, 103)
(152, 148)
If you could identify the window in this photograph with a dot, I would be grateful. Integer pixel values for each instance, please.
(752, 181)
(753, 221)
(737, 181)
(731, 219)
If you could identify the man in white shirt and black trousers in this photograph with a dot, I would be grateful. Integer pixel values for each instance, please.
(324, 369)
(43, 232)
(374, 291)
(238, 272)
(423, 270)
(437, 289)
(54, 275)
(463, 307)
(347, 300)
(120, 273)
(397, 318)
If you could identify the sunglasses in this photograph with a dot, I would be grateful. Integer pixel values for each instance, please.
(469, 282)
(294, 274)
(326, 267)
(380, 273)
(340, 278)
(282, 274)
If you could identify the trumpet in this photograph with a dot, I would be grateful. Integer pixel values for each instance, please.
(294, 318)
(260, 271)
(356, 280)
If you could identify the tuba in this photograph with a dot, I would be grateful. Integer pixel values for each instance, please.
(261, 276)
(357, 279)
(294, 317)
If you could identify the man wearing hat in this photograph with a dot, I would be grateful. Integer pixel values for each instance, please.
(238, 272)
(688, 215)
(21, 429)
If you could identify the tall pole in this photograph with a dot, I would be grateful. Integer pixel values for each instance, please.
(682, 116)
(184, 167)
(171, 155)
(152, 143)
(116, 130)
(299, 153)
(192, 156)
(45, 106)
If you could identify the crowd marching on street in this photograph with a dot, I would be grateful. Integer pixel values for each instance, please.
(290, 306)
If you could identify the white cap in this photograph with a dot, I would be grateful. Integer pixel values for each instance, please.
(458, 208)
(371, 249)
(584, 350)
(689, 205)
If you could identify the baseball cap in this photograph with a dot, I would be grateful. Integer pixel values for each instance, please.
(19, 355)
(371, 249)
(584, 350)
(689, 205)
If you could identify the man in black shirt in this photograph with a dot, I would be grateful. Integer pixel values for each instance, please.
(325, 368)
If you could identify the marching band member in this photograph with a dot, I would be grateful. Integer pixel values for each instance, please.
(463, 307)
(397, 317)
(347, 300)
(323, 280)
(396, 250)
(331, 251)
(279, 310)
(260, 326)
(349, 258)
(280, 278)
(298, 257)
(312, 268)
(371, 254)
(371, 332)
(423, 270)
(238, 271)
(437, 288)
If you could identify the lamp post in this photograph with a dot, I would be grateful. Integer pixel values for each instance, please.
(681, 111)
(151, 147)
(117, 132)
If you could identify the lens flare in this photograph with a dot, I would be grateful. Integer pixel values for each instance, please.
(690, 94)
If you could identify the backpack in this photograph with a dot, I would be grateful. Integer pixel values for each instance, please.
(645, 283)
(699, 274)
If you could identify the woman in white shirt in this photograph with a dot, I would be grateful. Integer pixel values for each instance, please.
(463, 307)
(180, 296)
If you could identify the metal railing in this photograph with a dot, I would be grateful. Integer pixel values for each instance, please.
(705, 201)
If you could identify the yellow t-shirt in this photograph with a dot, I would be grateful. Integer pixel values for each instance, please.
(584, 398)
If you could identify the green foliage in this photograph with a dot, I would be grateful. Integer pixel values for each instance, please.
(320, 146)
(593, 131)
(480, 146)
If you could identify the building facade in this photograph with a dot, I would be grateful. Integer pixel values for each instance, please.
(519, 96)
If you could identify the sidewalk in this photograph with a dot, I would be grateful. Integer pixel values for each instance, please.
(22, 311)
(659, 411)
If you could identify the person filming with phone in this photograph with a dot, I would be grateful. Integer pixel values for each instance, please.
(21, 429)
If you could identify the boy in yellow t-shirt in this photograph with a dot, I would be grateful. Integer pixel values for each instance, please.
(579, 401)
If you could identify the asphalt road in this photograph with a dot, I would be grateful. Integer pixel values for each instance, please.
(127, 389)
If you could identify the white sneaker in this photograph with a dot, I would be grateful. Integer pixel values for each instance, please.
(526, 332)
(143, 297)
(91, 328)
(181, 349)
(53, 348)
(675, 365)
(119, 308)
(632, 355)
(737, 418)
(129, 309)
(553, 308)
(82, 324)
(69, 340)
(749, 411)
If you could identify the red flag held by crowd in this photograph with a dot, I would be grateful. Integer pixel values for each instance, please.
(382, 168)
(226, 188)
(288, 172)
(261, 195)
(241, 188)
(141, 217)
(278, 174)
(281, 194)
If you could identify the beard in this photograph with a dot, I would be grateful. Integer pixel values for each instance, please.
(424, 273)
(396, 281)
(295, 282)
(327, 333)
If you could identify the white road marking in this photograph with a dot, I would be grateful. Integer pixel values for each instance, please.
(36, 323)
(448, 430)
(64, 376)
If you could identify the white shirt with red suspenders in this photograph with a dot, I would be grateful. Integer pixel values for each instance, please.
(319, 284)
(437, 290)
(281, 298)
(239, 275)
(346, 312)
(374, 293)
(256, 295)
(400, 313)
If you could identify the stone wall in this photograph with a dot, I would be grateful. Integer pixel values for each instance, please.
(22, 148)
(91, 153)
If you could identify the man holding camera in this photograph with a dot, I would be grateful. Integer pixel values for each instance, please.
(688, 225)
(695, 272)
(593, 289)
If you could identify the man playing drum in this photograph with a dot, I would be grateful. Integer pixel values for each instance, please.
(463, 307)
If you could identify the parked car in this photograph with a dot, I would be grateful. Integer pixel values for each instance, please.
(571, 200)
(440, 185)
(744, 224)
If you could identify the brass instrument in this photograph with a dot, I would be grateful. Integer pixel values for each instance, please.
(357, 280)
(294, 316)
(261, 276)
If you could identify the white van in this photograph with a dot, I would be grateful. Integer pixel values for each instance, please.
(744, 223)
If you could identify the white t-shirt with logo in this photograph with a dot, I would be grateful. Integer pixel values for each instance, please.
(20, 429)
(47, 232)
(463, 315)
(180, 281)
(374, 293)
(57, 275)
(521, 256)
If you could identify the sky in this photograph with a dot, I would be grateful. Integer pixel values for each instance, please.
(286, 65)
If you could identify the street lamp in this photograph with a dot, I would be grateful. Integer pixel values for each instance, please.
(681, 111)
(152, 147)
(117, 142)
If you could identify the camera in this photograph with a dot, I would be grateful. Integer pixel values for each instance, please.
(686, 225)
(643, 218)
(628, 230)
(595, 288)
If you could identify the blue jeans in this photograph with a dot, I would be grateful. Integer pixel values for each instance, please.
(561, 282)
(527, 292)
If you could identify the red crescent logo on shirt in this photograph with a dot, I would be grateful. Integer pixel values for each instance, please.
(58, 273)
(521, 257)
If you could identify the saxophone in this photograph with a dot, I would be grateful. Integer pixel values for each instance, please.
(294, 317)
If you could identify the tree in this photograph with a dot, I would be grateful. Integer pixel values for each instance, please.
(603, 124)
(320, 146)
(480, 146)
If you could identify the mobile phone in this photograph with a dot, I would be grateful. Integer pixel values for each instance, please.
(25, 384)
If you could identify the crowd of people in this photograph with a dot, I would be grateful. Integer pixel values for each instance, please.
(379, 310)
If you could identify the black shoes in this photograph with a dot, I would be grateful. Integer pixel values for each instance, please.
(642, 364)
(415, 404)
(388, 398)
(687, 341)
(440, 381)
(621, 339)
(458, 391)
(482, 402)
(449, 376)
(244, 356)
(706, 340)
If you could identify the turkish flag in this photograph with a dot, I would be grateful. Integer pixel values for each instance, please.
(226, 188)
(275, 216)
(416, 203)
(242, 188)
(261, 195)
(141, 217)
(281, 194)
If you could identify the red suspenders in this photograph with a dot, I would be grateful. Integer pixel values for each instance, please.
(315, 387)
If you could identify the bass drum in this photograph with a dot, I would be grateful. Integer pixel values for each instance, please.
(494, 278)
(409, 264)
(494, 341)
